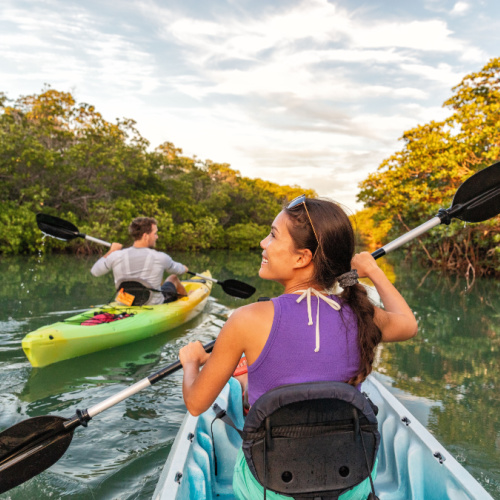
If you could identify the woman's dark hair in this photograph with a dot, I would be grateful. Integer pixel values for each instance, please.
(332, 255)
(141, 225)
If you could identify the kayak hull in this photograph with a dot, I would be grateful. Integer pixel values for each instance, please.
(412, 464)
(69, 338)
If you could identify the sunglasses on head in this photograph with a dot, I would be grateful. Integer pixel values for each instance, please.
(295, 203)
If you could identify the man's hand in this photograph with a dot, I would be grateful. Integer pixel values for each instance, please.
(114, 247)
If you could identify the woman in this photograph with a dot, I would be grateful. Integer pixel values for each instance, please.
(309, 250)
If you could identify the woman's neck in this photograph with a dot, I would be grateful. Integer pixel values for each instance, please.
(297, 287)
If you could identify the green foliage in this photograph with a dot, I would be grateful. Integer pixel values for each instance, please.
(17, 234)
(411, 185)
(65, 159)
(246, 236)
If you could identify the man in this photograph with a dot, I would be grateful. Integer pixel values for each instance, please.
(141, 261)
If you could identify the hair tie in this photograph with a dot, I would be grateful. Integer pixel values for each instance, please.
(348, 279)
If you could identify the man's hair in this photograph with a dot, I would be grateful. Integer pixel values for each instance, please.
(141, 225)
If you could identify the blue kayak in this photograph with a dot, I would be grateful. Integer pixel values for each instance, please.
(412, 464)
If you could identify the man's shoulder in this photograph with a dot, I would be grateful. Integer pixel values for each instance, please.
(142, 250)
(160, 256)
(158, 252)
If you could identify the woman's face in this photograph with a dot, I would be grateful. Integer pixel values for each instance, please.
(279, 255)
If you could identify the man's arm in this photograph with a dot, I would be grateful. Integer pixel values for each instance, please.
(173, 267)
(101, 266)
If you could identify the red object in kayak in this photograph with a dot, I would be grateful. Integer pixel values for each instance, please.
(242, 367)
(104, 318)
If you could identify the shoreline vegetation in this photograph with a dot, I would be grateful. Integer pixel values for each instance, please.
(61, 157)
(411, 186)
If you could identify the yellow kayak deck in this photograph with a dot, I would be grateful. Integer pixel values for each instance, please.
(69, 338)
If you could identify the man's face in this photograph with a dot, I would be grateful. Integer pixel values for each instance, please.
(152, 236)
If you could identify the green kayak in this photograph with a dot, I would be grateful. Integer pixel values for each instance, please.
(70, 338)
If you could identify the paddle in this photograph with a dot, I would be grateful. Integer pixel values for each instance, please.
(63, 229)
(66, 231)
(231, 287)
(33, 445)
(476, 200)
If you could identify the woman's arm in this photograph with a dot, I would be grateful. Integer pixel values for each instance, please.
(241, 332)
(396, 321)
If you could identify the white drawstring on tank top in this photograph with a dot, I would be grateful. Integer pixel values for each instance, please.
(332, 303)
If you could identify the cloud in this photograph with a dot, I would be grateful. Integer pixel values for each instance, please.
(68, 45)
(312, 49)
(311, 92)
(429, 36)
(460, 8)
(443, 73)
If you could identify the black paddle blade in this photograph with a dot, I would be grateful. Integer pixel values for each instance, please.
(237, 288)
(56, 227)
(478, 198)
(30, 447)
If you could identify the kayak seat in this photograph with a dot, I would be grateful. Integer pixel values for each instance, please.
(311, 440)
(139, 289)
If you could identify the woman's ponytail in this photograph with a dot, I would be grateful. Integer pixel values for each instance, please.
(369, 335)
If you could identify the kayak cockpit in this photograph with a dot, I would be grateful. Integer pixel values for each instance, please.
(412, 464)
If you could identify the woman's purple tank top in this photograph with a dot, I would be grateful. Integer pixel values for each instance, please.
(288, 356)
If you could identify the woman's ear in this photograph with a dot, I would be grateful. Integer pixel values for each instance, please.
(304, 258)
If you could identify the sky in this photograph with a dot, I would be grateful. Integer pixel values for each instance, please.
(313, 93)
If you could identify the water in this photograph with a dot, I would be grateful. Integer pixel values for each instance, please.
(448, 376)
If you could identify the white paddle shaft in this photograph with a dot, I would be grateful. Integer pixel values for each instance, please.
(410, 235)
(120, 396)
(96, 240)
(205, 277)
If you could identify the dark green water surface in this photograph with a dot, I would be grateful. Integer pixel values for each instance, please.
(448, 376)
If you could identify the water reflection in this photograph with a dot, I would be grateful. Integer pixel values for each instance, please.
(453, 362)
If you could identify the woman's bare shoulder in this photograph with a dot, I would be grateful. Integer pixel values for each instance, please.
(249, 327)
(257, 312)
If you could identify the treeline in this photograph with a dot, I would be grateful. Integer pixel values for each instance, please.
(411, 185)
(65, 159)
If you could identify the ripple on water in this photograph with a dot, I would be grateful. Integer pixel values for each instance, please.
(121, 453)
(7, 328)
(54, 486)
